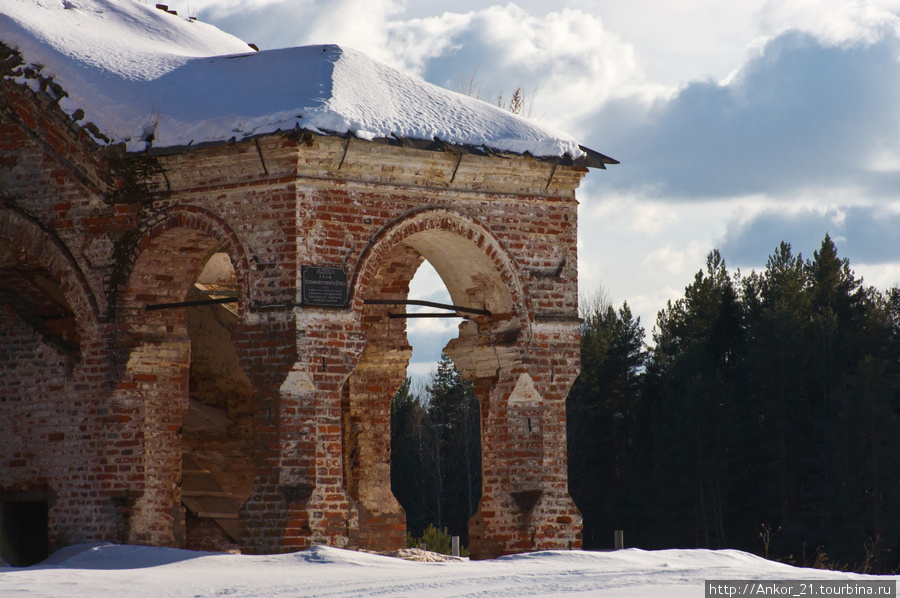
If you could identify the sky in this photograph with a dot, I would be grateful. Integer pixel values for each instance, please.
(738, 124)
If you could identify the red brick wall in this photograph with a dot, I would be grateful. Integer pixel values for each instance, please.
(102, 434)
(51, 396)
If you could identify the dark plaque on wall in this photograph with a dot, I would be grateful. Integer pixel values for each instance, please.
(324, 286)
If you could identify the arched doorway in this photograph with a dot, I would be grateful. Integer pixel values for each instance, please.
(183, 394)
(435, 423)
(489, 350)
(49, 347)
(217, 465)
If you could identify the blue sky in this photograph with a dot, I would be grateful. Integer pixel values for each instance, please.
(738, 124)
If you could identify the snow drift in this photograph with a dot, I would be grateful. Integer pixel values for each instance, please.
(98, 571)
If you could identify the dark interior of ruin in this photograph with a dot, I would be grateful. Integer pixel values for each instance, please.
(23, 530)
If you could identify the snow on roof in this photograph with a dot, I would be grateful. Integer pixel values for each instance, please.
(149, 78)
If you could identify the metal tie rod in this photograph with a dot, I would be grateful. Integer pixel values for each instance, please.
(218, 301)
(467, 310)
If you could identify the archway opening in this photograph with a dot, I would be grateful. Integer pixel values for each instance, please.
(428, 336)
(194, 400)
(435, 423)
(482, 302)
(217, 428)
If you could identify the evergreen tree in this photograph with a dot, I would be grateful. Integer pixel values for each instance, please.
(695, 409)
(600, 410)
(411, 480)
(455, 415)
(771, 402)
(778, 363)
(436, 452)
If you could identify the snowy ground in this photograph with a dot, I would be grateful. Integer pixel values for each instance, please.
(136, 572)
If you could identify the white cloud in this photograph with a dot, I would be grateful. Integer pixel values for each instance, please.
(648, 305)
(675, 259)
(831, 21)
(880, 276)
(633, 212)
(682, 41)
(885, 160)
(359, 24)
(567, 56)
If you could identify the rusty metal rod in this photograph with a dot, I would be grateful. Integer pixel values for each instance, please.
(398, 316)
(218, 301)
(468, 310)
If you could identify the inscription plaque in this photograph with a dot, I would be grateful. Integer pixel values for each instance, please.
(324, 286)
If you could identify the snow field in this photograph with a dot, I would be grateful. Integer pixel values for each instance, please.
(107, 570)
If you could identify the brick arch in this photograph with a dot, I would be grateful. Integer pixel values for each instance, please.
(457, 246)
(479, 274)
(199, 231)
(152, 395)
(47, 251)
(61, 389)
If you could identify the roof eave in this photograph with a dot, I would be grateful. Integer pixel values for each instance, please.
(591, 159)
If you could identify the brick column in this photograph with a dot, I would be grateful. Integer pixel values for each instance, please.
(145, 447)
(555, 522)
(367, 448)
(367, 403)
(525, 504)
(329, 345)
(266, 345)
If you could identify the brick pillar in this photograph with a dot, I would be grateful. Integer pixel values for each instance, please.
(525, 504)
(499, 527)
(367, 404)
(367, 448)
(329, 344)
(266, 344)
(555, 520)
(145, 448)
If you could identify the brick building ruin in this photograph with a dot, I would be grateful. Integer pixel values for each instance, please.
(263, 419)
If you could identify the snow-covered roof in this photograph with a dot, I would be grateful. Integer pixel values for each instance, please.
(146, 77)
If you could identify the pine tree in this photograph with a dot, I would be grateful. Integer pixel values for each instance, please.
(455, 414)
(411, 480)
(600, 409)
(772, 400)
(436, 452)
(695, 408)
(778, 363)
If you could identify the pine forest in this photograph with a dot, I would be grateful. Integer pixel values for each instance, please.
(763, 414)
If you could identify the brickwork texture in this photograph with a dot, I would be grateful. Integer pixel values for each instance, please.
(286, 405)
